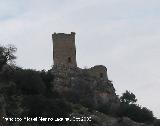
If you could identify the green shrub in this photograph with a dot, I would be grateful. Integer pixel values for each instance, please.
(136, 113)
(29, 81)
(38, 105)
(157, 122)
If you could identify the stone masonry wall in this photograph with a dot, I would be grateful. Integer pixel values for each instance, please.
(64, 50)
(98, 71)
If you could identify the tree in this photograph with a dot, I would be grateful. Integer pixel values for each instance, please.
(128, 97)
(136, 113)
(7, 55)
(28, 81)
(157, 122)
(47, 77)
(128, 108)
(40, 106)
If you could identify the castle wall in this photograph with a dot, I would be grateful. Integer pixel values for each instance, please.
(64, 50)
(64, 53)
(98, 71)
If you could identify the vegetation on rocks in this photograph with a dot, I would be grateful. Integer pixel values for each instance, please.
(27, 92)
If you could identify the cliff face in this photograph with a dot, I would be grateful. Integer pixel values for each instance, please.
(74, 80)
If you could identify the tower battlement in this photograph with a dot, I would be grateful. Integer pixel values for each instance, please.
(63, 36)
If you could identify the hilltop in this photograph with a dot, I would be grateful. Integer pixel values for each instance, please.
(64, 92)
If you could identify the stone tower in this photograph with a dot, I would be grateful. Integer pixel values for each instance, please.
(64, 50)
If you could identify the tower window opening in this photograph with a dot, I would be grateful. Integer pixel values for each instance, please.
(69, 60)
(101, 75)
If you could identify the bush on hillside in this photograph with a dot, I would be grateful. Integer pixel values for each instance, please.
(29, 81)
(128, 108)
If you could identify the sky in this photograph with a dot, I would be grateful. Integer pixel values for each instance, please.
(123, 35)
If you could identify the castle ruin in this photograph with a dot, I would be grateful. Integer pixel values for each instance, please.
(64, 50)
(64, 53)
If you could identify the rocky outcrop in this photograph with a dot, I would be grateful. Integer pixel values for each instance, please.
(77, 80)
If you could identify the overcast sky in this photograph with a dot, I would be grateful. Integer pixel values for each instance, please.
(123, 35)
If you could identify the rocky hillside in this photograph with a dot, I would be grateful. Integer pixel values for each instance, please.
(75, 80)
(59, 92)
